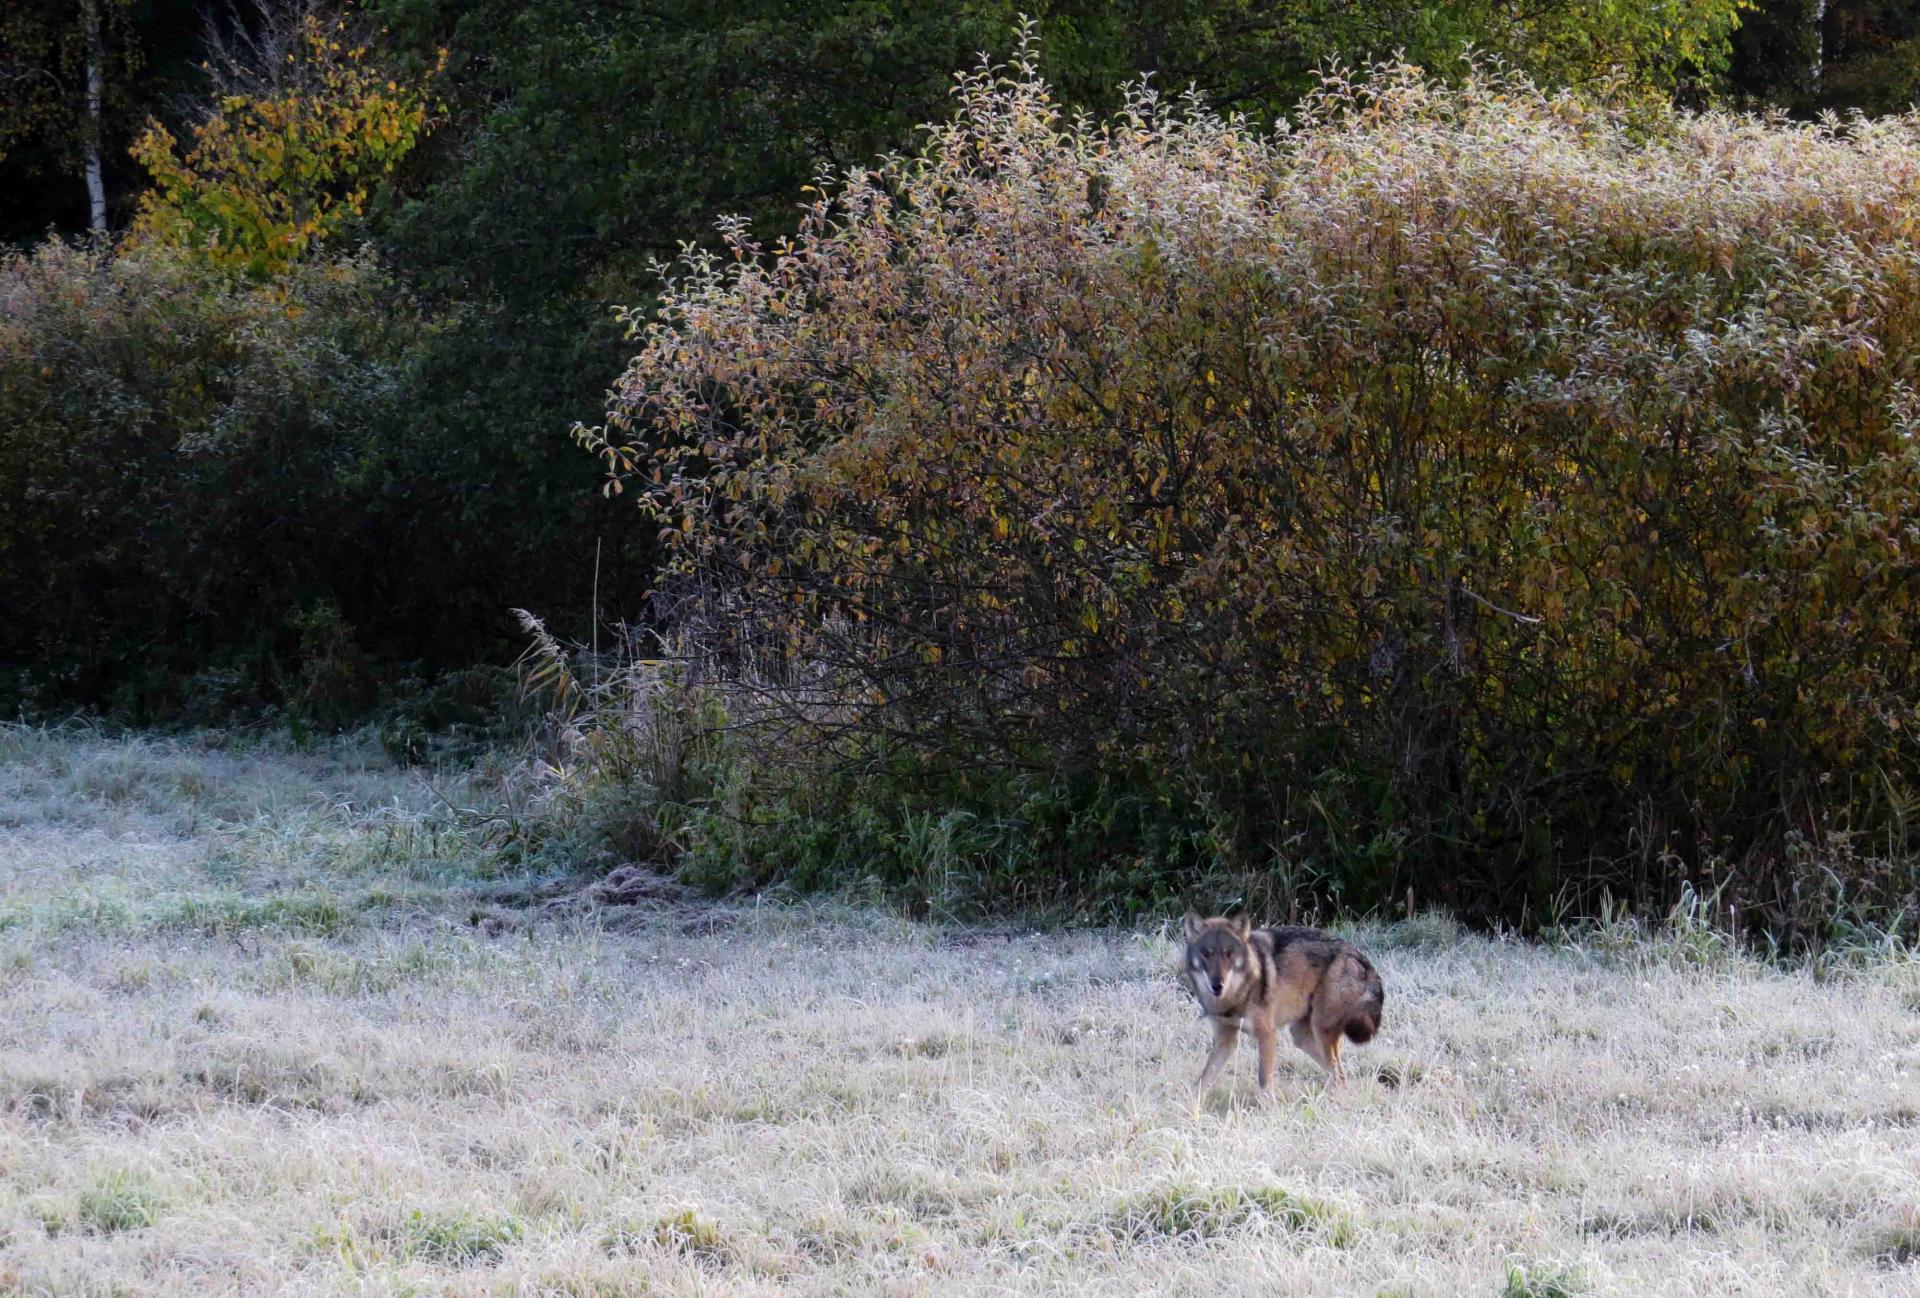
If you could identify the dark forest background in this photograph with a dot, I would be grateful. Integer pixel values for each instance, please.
(210, 507)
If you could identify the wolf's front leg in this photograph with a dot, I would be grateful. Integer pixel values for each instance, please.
(1336, 1071)
(1226, 1035)
(1267, 1039)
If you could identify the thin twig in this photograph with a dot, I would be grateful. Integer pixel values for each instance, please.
(1518, 617)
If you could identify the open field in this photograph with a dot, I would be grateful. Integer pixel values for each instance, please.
(267, 1027)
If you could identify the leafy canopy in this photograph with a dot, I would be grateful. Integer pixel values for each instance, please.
(270, 174)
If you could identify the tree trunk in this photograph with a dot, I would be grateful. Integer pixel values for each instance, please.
(1819, 42)
(96, 82)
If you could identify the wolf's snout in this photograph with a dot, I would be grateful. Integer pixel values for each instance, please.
(1216, 985)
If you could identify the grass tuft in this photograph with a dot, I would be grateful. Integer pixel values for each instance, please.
(1899, 1246)
(1184, 1213)
(460, 1238)
(119, 1201)
(684, 1232)
(1538, 1281)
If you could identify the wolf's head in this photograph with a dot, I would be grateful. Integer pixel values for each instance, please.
(1219, 960)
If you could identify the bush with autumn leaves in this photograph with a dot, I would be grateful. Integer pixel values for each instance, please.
(1470, 496)
(287, 158)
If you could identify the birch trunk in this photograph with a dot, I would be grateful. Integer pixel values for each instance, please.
(96, 90)
(1819, 40)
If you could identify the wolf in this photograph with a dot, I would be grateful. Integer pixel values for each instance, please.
(1322, 987)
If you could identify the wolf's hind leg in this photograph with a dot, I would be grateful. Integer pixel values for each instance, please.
(1226, 1035)
(1311, 1041)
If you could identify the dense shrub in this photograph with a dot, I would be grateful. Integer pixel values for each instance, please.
(192, 477)
(218, 493)
(1472, 492)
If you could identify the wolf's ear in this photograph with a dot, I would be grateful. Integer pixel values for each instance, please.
(1193, 926)
(1243, 928)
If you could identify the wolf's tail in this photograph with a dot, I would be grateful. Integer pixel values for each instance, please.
(1365, 1020)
